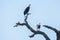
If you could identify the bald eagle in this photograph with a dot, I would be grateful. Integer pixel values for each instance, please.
(27, 10)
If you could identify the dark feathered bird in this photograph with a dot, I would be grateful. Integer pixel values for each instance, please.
(27, 10)
(38, 26)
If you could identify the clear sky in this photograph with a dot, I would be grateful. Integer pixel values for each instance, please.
(42, 11)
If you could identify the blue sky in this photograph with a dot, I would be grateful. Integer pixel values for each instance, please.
(42, 11)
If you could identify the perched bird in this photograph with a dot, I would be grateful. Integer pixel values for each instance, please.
(27, 10)
(38, 27)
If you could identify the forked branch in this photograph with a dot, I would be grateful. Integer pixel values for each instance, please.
(31, 29)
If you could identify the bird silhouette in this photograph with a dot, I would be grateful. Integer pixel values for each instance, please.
(38, 27)
(27, 10)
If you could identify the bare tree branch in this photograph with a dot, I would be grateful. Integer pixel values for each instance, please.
(55, 30)
(32, 35)
(31, 29)
(21, 24)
